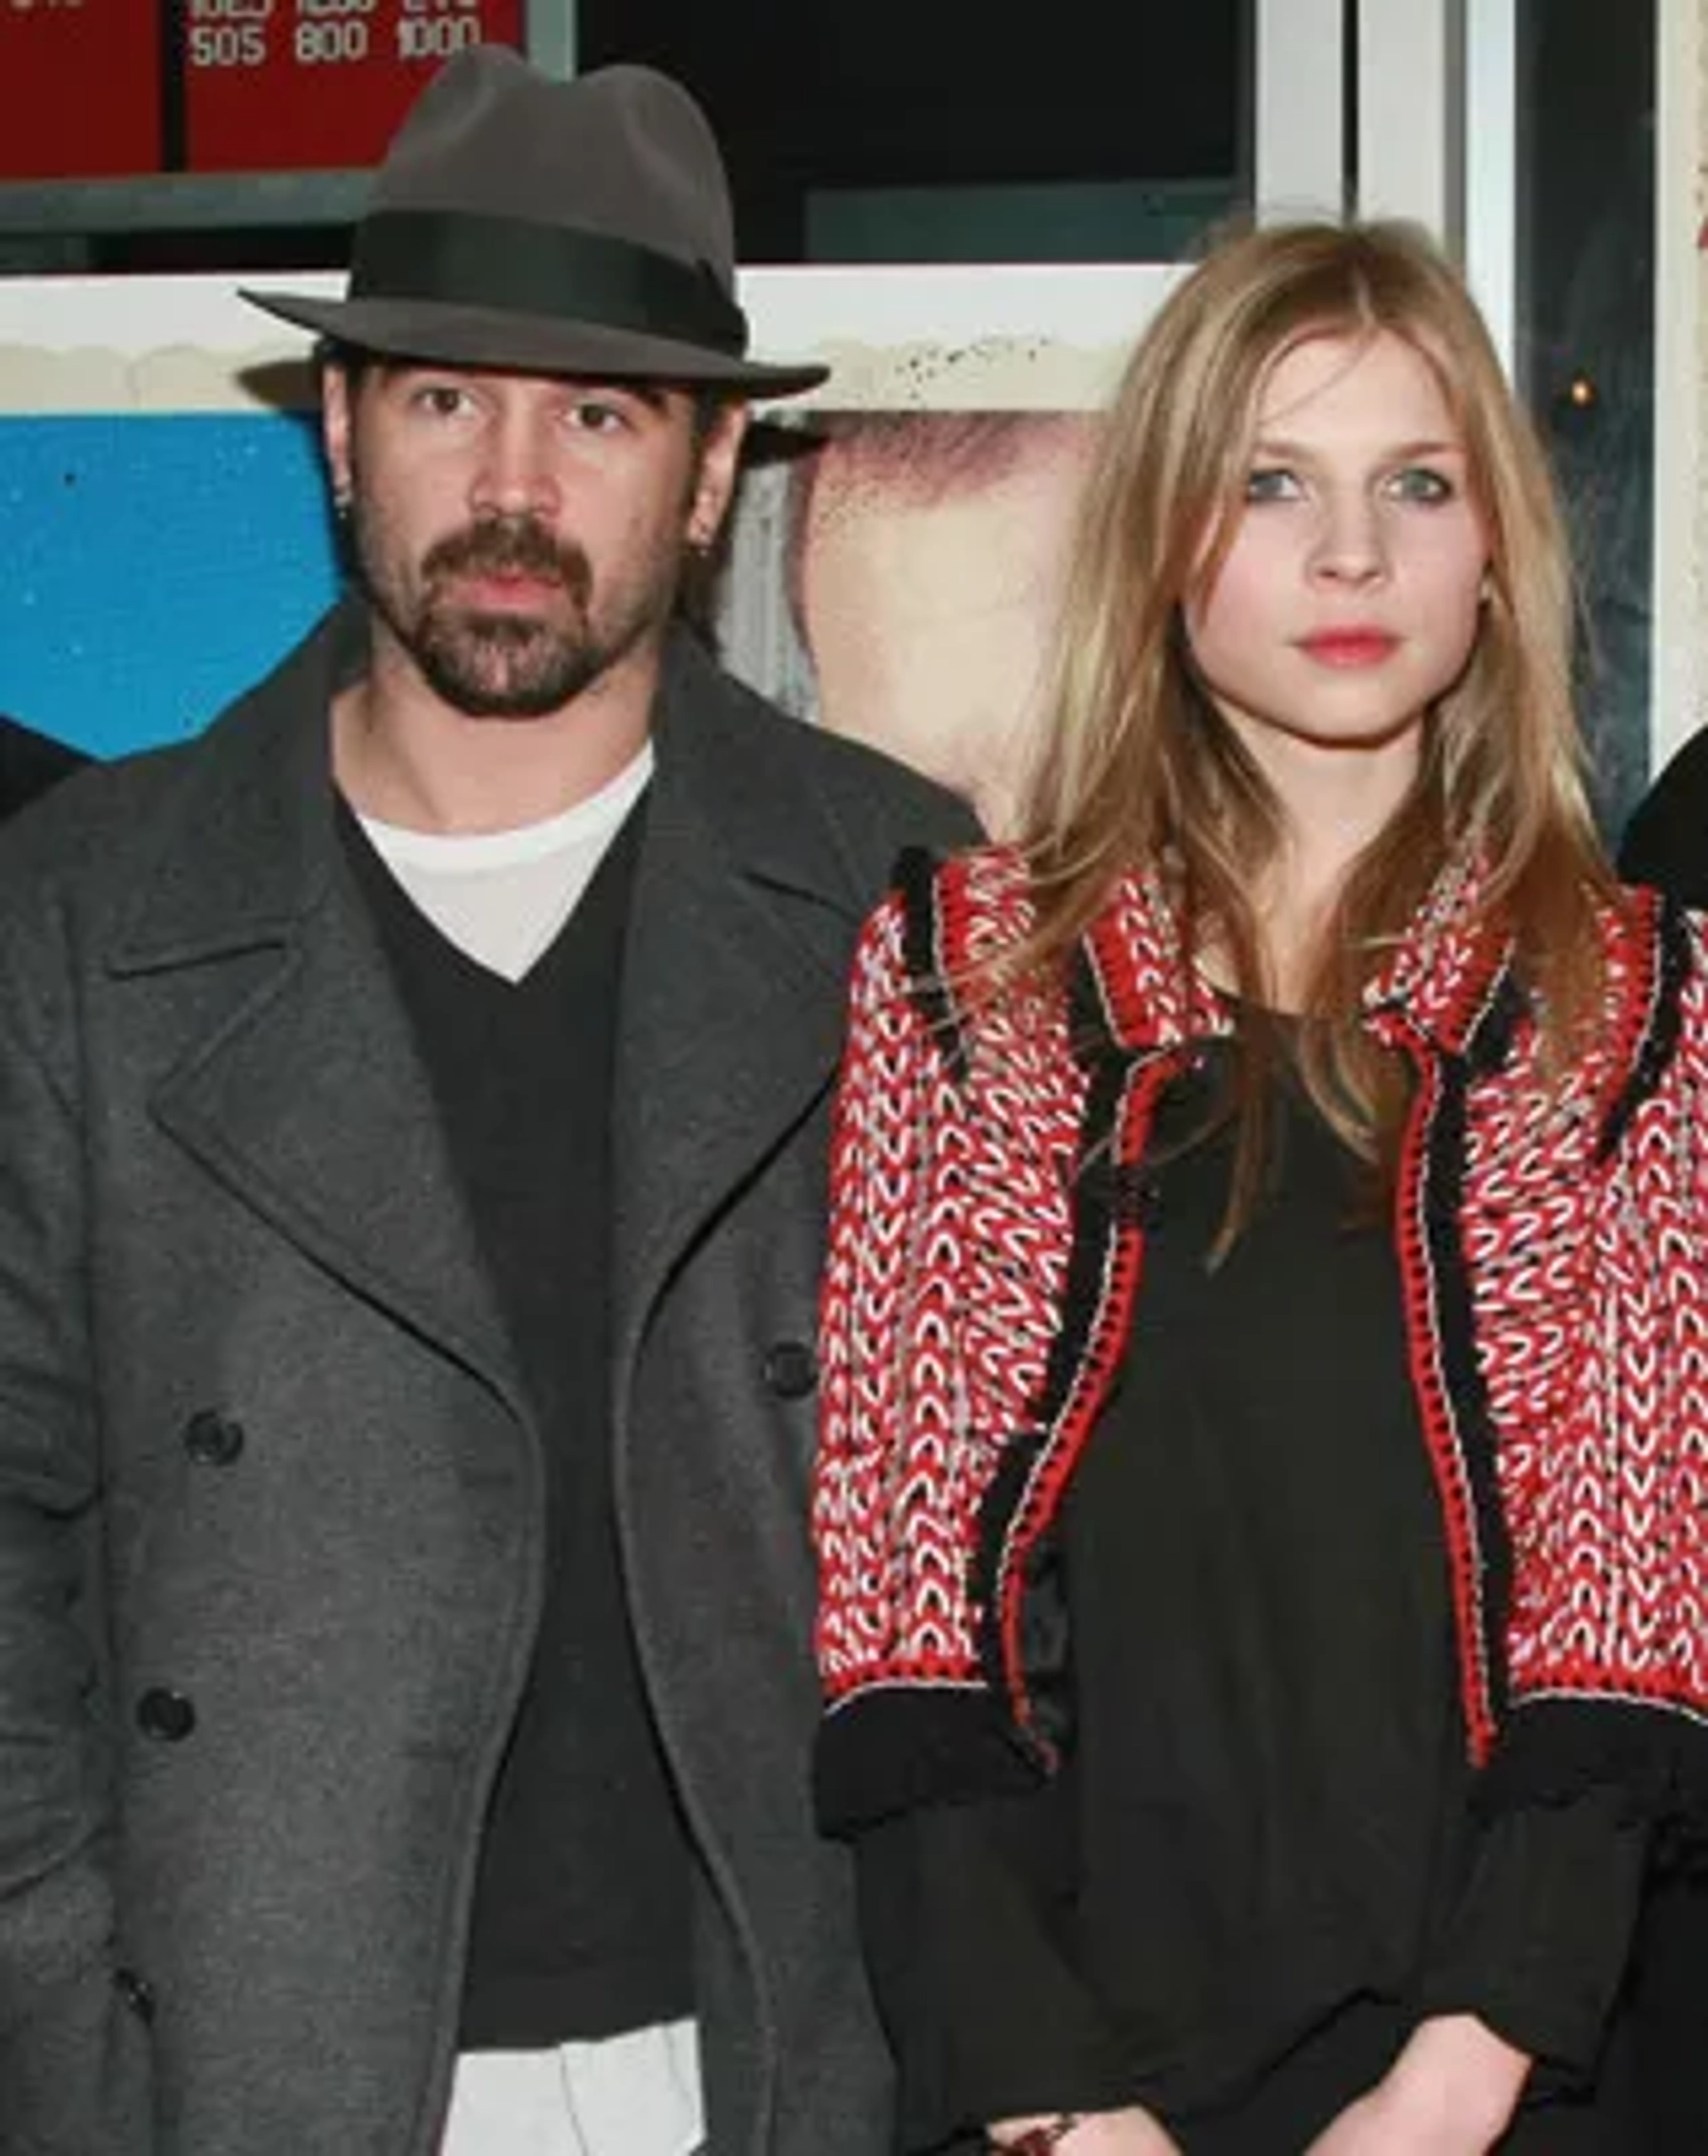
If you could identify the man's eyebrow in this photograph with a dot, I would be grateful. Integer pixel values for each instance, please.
(652, 394)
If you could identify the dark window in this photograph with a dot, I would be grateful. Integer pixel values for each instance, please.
(927, 129)
(1586, 216)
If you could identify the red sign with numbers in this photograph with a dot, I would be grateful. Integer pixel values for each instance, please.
(80, 88)
(279, 84)
(98, 88)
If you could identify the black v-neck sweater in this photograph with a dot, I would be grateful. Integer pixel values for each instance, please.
(581, 1916)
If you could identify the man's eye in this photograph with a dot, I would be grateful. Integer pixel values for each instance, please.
(595, 415)
(1419, 483)
(1271, 483)
(442, 399)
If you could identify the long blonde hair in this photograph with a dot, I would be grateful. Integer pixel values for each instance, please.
(1136, 767)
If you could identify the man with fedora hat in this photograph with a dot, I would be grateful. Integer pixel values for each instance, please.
(411, 1140)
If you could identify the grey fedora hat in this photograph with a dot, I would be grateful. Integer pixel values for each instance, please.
(543, 226)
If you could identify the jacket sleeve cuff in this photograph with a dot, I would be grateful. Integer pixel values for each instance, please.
(1536, 1939)
(964, 1913)
(893, 1747)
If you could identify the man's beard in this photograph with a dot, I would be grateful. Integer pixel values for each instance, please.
(503, 665)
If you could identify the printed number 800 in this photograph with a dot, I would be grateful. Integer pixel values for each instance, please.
(325, 43)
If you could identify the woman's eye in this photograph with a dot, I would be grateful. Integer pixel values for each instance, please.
(1419, 483)
(1271, 483)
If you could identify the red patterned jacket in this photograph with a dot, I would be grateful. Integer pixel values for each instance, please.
(985, 1255)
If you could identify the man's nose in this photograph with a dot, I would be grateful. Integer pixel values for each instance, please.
(517, 474)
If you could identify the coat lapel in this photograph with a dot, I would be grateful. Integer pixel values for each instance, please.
(301, 1089)
(303, 1092)
(733, 986)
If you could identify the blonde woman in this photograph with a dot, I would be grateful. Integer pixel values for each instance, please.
(1265, 1432)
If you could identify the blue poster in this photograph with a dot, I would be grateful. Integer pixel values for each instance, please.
(155, 564)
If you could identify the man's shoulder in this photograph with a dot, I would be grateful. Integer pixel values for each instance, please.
(72, 861)
(106, 827)
(790, 767)
(854, 768)
(97, 814)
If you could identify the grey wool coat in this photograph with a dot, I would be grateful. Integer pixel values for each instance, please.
(271, 1519)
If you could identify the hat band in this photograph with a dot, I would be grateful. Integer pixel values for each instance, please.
(464, 259)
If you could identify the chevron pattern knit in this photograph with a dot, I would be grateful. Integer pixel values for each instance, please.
(1552, 1237)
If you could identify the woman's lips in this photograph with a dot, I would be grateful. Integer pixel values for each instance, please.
(1349, 647)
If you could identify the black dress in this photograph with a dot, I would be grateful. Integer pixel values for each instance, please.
(1260, 1867)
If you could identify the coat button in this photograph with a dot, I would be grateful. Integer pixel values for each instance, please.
(790, 1369)
(135, 1993)
(166, 1714)
(213, 1440)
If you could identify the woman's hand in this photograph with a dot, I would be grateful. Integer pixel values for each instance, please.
(1451, 2092)
(1124, 2133)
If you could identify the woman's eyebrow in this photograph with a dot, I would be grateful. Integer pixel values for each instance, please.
(1280, 446)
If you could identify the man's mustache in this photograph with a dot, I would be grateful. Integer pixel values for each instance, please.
(509, 547)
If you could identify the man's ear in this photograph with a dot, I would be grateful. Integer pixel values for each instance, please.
(719, 455)
(337, 418)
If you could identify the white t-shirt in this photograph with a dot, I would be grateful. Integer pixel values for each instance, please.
(501, 896)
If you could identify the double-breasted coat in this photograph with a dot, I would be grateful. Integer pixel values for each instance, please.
(270, 1491)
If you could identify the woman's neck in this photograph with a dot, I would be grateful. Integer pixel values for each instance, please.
(1335, 805)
